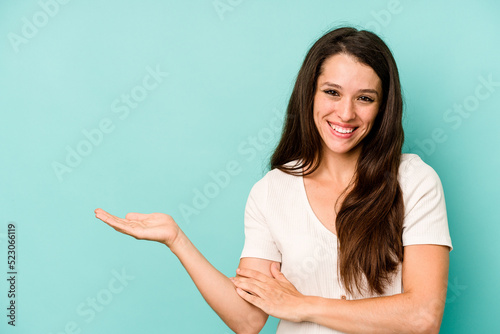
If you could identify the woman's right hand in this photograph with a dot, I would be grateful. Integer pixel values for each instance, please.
(216, 288)
(155, 226)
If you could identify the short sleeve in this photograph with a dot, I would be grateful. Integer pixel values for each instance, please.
(426, 221)
(259, 242)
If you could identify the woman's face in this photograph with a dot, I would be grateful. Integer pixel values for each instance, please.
(347, 100)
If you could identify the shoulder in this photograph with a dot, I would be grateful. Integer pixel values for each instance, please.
(413, 171)
(277, 175)
(418, 181)
(274, 179)
(425, 219)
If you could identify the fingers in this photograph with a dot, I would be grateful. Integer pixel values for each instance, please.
(250, 273)
(119, 224)
(250, 285)
(256, 301)
(107, 217)
(136, 216)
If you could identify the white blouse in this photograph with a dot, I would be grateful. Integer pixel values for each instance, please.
(281, 226)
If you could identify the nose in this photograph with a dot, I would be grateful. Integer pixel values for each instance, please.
(345, 110)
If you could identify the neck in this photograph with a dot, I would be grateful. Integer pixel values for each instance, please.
(338, 168)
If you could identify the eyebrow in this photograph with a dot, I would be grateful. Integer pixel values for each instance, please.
(366, 90)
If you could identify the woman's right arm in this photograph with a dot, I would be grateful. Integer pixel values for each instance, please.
(215, 287)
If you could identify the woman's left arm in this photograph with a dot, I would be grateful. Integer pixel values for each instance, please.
(419, 309)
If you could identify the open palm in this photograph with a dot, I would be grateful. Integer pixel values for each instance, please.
(155, 226)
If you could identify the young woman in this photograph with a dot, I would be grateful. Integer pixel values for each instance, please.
(344, 234)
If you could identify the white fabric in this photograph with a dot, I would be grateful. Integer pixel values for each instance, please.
(281, 226)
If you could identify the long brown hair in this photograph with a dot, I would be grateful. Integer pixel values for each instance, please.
(370, 221)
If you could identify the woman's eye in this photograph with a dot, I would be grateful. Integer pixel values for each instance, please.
(331, 92)
(366, 99)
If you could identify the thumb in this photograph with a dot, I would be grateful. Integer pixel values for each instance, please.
(275, 270)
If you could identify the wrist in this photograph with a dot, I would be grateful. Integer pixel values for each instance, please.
(308, 306)
(179, 242)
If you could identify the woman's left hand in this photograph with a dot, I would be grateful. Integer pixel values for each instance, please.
(274, 295)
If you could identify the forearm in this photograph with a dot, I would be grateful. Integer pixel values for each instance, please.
(419, 309)
(400, 313)
(218, 290)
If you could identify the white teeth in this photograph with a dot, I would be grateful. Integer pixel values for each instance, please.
(340, 129)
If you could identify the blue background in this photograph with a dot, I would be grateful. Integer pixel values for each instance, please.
(66, 70)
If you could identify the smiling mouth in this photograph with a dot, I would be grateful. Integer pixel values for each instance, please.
(340, 129)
